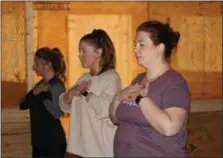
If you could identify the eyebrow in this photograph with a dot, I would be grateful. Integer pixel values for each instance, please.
(141, 40)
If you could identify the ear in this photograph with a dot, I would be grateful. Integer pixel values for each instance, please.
(160, 47)
(48, 65)
(99, 51)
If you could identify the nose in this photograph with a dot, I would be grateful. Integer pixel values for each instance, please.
(136, 50)
(80, 56)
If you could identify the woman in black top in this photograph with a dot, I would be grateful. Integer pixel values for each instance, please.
(47, 134)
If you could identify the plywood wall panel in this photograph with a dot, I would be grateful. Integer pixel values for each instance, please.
(195, 21)
(106, 7)
(13, 57)
(185, 8)
(52, 25)
(199, 52)
(213, 43)
(51, 31)
(120, 33)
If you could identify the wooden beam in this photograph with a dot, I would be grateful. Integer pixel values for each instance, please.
(29, 44)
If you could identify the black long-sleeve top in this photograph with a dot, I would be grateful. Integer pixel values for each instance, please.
(45, 113)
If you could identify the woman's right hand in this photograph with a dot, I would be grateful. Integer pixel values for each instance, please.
(129, 92)
(40, 88)
(76, 91)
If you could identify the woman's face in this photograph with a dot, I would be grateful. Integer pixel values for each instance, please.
(41, 67)
(145, 50)
(38, 66)
(88, 54)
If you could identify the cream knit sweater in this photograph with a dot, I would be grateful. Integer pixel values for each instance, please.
(91, 132)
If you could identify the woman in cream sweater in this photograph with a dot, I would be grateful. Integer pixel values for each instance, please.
(91, 132)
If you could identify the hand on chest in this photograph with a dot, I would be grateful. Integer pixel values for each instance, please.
(96, 85)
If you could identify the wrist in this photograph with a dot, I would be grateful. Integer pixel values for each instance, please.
(85, 93)
(67, 98)
(120, 96)
(139, 98)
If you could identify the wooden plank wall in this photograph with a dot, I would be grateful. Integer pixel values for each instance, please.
(199, 53)
(53, 30)
(120, 31)
(13, 79)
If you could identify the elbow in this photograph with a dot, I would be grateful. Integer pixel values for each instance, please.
(114, 120)
(115, 123)
(22, 107)
(170, 131)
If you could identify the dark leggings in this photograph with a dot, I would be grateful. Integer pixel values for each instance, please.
(69, 155)
(49, 151)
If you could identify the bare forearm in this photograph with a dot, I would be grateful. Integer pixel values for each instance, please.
(158, 118)
(67, 99)
(70, 94)
(113, 107)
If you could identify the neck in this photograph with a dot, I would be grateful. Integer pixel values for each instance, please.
(153, 72)
(48, 76)
(95, 69)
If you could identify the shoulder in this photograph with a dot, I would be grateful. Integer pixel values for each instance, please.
(177, 92)
(84, 76)
(109, 75)
(138, 77)
(57, 85)
(177, 80)
(177, 77)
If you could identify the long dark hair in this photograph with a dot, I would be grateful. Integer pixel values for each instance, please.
(55, 57)
(100, 39)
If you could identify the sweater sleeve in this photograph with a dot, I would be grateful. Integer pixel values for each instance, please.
(63, 106)
(100, 103)
(67, 107)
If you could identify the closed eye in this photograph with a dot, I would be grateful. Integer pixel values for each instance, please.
(141, 45)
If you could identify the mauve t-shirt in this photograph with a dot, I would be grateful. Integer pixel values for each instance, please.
(135, 137)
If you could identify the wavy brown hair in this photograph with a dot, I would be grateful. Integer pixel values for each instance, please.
(55, 57)
(100, 39)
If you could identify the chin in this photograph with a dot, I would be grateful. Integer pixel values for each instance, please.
(85, 66)
(37, 74)
(140, 63)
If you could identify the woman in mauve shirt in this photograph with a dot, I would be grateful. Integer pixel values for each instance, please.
(152, 112)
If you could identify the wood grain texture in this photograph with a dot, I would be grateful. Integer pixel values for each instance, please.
(204, 132)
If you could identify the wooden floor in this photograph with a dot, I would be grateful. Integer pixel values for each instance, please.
(205, 134)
